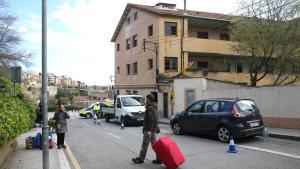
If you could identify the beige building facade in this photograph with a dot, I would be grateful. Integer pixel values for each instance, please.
(156, 44)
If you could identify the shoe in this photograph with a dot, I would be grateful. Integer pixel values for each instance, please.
(59, 147)
(137, 160)
(156, 162)
(64, 146)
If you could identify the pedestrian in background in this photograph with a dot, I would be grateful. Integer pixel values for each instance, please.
(60, 118)
(39, 114)
(97, 113)
(150, 129)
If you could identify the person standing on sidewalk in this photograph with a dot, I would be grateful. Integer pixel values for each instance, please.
(150, 129)
(60, 118)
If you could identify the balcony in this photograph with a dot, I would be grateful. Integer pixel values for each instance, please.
(208, 46)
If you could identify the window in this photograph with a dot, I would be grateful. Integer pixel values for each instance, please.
(134, 40)
(127, 91)
(128, 69)
(202, 35)
(150, 30)
(128, 21)
(202, 65)
(128, 43)
(171, 63)
(170, 28)
(150, 64)
(225, 106)
(239, 68)
(196, 108)
(118, 47)
(119, 102)
(224, 36)
(118, 70)
(135, 92)
(135, 68)
(135, 15)
(211, 106)
(247, 106)
(269, 68)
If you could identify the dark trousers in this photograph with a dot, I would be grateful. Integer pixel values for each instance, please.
(145, 144)
(60, 139)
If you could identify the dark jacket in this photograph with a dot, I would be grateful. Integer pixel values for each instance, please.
(61, 122)
(151, 118)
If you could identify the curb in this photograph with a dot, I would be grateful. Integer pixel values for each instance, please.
(71, 158)
(286, 137)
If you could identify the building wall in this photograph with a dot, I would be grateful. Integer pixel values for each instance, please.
(278, 105)
(136, 54)
(170, 46)
(212, 33)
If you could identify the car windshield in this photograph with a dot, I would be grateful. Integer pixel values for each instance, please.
(246, 106)
(133, 101)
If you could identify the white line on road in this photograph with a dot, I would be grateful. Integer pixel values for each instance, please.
(166, 132)
(113, 135)
(269, 151)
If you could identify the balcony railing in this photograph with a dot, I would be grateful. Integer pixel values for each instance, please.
(209, 46)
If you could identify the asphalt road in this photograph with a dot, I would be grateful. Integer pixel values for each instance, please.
(109, 147)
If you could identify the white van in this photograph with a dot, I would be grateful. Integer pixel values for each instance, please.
(127, 109)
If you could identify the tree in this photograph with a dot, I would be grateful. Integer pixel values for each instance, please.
(268, 32)
(10, 53)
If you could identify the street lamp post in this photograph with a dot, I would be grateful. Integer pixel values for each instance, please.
(44, 87)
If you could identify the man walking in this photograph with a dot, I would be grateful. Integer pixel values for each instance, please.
(150, 129)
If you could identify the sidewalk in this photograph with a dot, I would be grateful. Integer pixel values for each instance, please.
(23, 158)
(290, 134)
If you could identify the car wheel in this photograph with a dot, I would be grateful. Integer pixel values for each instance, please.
(88, 116)
(223, 134)
(107, 118)
(177, 128)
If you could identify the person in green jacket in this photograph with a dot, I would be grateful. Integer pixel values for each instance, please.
(150, 129)
(96, 111)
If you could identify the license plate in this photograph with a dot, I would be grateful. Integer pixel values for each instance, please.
(254, 124)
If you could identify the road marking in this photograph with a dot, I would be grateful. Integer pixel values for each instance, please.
(71, 158)
(113, 135)
(166, 132)
(64, 164)
(269, 151)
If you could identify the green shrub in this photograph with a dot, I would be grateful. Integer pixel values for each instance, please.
(53, 109)
(17, 114)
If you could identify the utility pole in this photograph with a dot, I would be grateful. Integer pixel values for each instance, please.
(44, 87)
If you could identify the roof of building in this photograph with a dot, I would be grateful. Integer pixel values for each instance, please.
(176, 12)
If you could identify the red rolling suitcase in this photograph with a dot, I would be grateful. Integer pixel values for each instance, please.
(168, 152)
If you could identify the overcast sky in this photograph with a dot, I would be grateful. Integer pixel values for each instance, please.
(79, 33)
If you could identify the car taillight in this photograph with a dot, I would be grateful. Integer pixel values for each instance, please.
(236, 113)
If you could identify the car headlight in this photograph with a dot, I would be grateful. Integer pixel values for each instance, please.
(130, 114)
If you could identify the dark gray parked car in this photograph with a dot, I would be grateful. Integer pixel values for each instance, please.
(220, 117)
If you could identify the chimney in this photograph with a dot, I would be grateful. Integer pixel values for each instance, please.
(165, 6)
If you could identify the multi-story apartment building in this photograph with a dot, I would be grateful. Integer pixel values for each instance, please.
(155, 44)
(52, 79)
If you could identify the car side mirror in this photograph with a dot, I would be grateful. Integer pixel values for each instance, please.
(118, 106)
